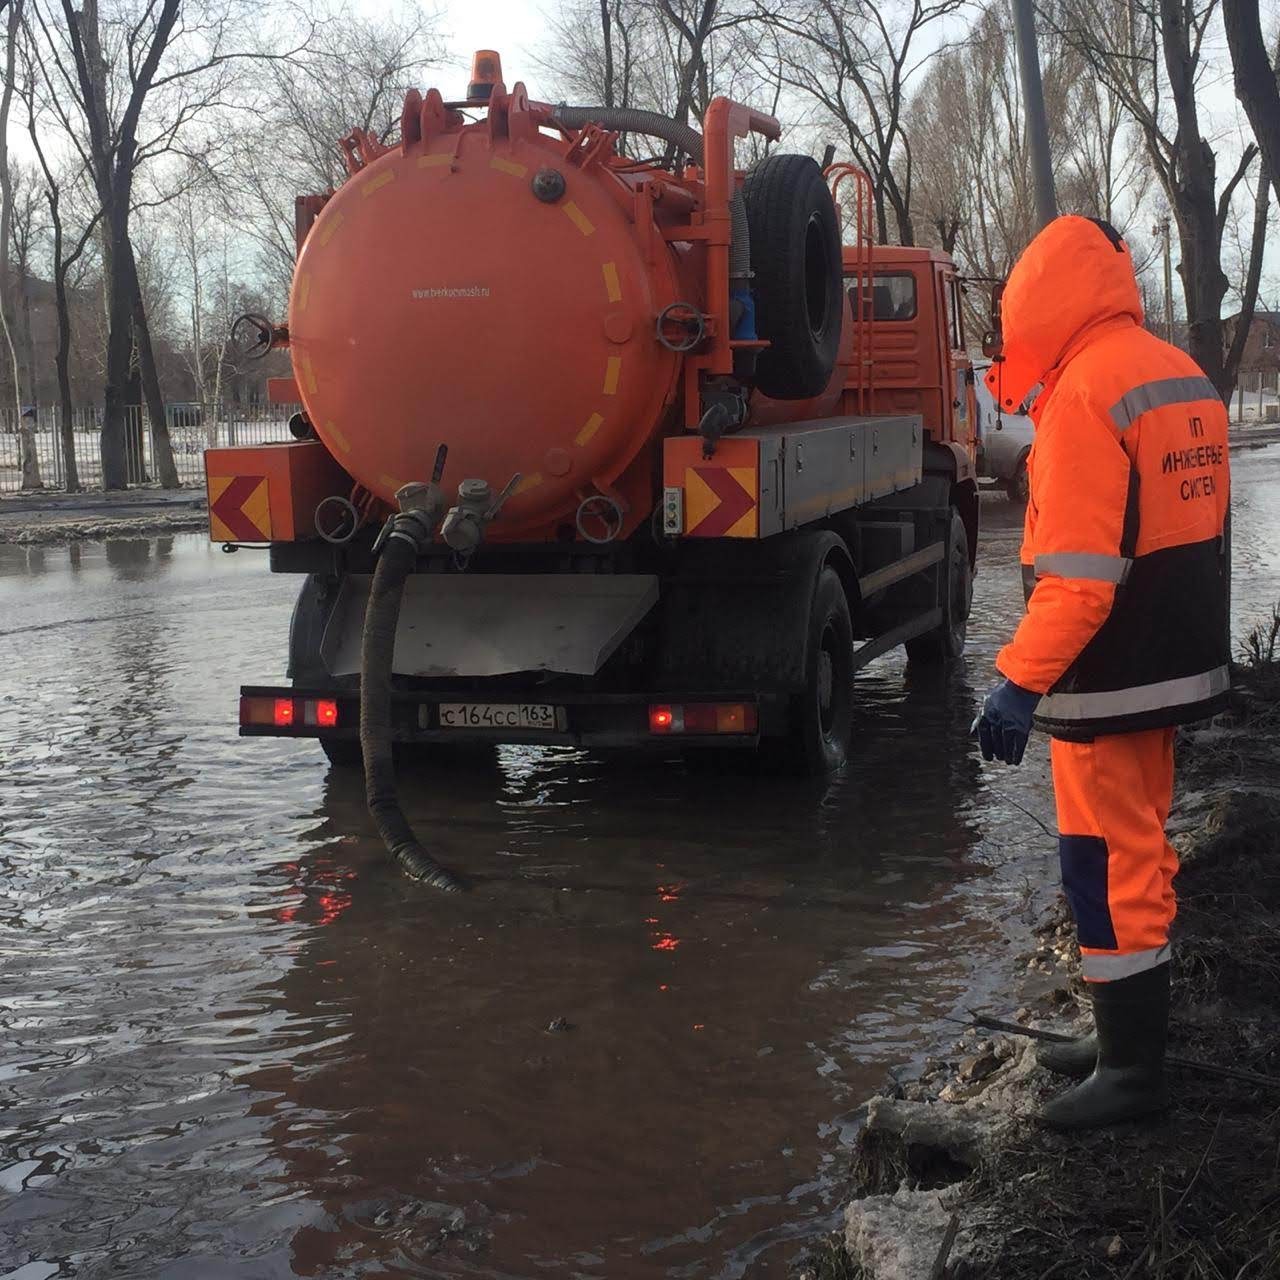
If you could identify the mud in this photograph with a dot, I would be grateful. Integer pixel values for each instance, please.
(52, 518)
(952, 1177)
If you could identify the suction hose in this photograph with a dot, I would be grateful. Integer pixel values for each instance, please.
(689, 140)
(399, 555)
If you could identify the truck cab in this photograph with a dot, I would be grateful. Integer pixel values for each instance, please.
(912, 356)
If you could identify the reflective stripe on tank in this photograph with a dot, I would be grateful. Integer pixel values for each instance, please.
(1107, 968)
(1084, 564)
(1182, 691)
(1158, 395)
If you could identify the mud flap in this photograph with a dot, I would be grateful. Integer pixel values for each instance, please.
(488, 624)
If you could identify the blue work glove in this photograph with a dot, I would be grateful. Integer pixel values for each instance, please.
(1004, 724)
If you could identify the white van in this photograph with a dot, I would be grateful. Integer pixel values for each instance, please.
(1004, 440)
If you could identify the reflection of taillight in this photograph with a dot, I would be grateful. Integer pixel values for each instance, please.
(704, 718)
(282, 712)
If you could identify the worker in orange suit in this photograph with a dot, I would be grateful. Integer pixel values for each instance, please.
(1125, 634)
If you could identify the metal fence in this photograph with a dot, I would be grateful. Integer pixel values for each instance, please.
(1257, 397)
(32, 452)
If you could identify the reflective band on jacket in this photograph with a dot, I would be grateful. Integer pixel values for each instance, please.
(1084, 564)
(1183, 691)
(1158, 395)
(1107, 968)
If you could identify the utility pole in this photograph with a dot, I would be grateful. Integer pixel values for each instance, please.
(1024, 32)
(1162, 230)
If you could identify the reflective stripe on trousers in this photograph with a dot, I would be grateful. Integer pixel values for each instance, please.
(1099, 967)
(1084, 564)
(1159, 395)
(1183, 691)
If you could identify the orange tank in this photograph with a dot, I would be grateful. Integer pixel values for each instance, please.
(500, 287)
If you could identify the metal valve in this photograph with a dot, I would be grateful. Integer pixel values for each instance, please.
(464, 526)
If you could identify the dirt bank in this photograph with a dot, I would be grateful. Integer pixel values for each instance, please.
(951, 1165)
(135, 513)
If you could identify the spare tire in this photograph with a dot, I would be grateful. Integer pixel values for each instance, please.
(795, 260)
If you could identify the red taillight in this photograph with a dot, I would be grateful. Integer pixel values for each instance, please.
(326, 712)
(704, 718)
(282, 712)
(661, 720)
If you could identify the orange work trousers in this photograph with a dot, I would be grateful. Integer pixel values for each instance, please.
(1113, 796)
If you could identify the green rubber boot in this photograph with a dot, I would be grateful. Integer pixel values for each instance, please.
(1076, 1057)
(1132, 1018)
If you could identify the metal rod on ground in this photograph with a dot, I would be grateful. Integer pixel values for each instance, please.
(1171, 1059)
(1024, 31)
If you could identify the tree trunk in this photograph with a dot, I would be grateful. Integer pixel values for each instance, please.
(1253, 276)
(161, 446)
(118, 461)
(1256, 80)
(6, 222)
(1194, 203)
(606, 39)
(62, 356)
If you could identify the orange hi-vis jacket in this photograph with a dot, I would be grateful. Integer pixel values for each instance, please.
(1123, 552)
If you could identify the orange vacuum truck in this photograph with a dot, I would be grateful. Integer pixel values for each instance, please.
(603, 440)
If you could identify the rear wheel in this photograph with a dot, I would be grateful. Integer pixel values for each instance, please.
(946, 641)
(1018, 485)
(822, 713)
(343, 753)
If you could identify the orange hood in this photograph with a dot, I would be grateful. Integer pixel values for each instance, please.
(1070, 278)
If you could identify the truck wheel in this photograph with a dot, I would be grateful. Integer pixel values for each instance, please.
(1018, 486)
(795, 255)
(946, 642)
(343, 753)
(822, 714)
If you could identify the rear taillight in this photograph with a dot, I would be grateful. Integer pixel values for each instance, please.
(288, 713)
(704, 718)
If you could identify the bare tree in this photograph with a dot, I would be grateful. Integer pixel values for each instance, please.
(1257, 80)
(1150, 53)
(354, 74)
(974, 191)
(29, 460)
(857, 61)
(141, 80)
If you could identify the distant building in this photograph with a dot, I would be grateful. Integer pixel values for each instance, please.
(1262, 347)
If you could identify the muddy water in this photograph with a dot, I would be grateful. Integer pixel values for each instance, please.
(234, 1044)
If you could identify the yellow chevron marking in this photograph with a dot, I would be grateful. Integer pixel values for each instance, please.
(612, 285)
(330, 228)
(376, 184)
(593, 424)
(438, 159)
(613, 371)
(504, 165)
(578, 218)
(529, 482)
(304, 290)
(338, 438)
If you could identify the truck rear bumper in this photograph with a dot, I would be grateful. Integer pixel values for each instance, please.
(658, 720)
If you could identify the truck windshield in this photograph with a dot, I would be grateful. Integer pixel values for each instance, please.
(893, 296)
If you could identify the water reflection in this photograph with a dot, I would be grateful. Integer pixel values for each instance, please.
(236, 1041)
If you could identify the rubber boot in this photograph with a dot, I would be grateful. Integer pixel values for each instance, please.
(1076, 1057)
(1132, 1020)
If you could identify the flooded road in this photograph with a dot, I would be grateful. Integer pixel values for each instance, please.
(235, 1043)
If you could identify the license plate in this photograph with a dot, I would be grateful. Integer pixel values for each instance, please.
(494, 715)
